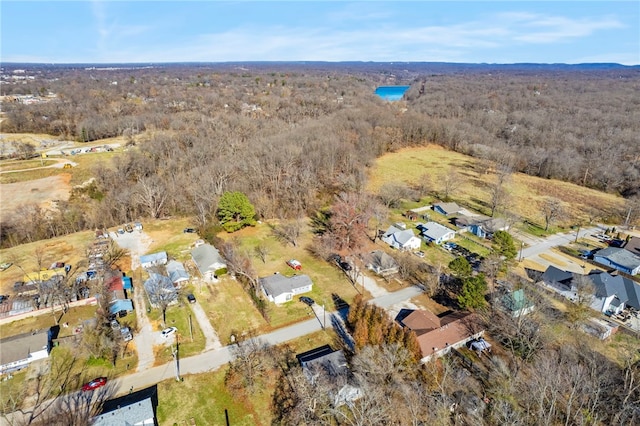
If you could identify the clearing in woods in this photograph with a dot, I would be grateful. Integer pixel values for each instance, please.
(38, 191)
(527, 193)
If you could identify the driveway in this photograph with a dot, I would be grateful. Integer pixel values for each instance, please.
(210, 335)
(137, 242)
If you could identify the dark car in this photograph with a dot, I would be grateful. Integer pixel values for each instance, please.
(94, 384)
(307, 300)
(191, 298)
(335, 257)
(189, 230)
(346, 266)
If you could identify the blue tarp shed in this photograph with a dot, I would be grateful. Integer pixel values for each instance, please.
(127, 284)
(121, 305)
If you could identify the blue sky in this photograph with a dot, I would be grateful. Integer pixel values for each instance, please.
(218, 31)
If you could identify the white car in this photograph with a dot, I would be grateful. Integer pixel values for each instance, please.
(168, 331)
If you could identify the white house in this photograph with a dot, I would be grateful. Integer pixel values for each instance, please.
(402, 239)
(436, 233)
(208, 261)
(610, 293)
(280, 289)
(19, 351)
(153, 259)
(177, 273)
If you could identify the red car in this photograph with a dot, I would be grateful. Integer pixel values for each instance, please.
(294, 264)
(94, 384)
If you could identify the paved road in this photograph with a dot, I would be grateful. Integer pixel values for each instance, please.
(555, 241)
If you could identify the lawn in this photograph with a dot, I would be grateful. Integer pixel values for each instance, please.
(327, 279)
(25, 164)
(527, 192)
(168, 235)
(74, 316)
(203, 398)
(69, 249)
(31, 175)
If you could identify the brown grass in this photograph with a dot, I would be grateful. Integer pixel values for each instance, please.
(528, 193)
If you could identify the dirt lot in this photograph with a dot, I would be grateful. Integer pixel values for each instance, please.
(39, 191)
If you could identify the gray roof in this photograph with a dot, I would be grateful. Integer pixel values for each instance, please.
(401, 236)
(278, 284)
(555, 275)
(176, 271)
(160, 257)
(19, 347)
(382, 260)
(132, 414)
(207, 258)
(608, 285)
(633, 292)
(434, 230)
(333, 362)
(619, 256)
(448, 208)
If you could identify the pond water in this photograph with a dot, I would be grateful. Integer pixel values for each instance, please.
(391, 93)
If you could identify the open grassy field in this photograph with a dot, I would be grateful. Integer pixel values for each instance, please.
(408, 165)
(167, 235)
(27, 164)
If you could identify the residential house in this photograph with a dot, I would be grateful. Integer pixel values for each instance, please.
(120, 305)
(401, 239)
(516, 303)
(159, 288)
(610, 293)
(438, 335)
(154, 259)
(633, 246)
(433, 232)
(558, 278)
(177, 273)
(280, 289)
(447, 209)
(618, 258)
(633, 293)
(381, 263)
(115, 286)
(481, 226)
(133, 409)
(21, 350)
(333, 365)
(209, 262)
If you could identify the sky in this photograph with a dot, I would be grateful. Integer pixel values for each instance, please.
(381, 31)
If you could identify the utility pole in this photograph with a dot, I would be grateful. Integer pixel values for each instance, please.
(174, 352)
(190, 328)
(521, 248)
(324, 317)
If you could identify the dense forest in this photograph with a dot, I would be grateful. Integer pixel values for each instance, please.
(292, 135)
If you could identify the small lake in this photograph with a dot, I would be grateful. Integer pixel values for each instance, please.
(391, 93)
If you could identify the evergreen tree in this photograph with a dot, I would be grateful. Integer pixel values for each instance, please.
(235, 211)
(472, 293)
(460, 267)
(502, 243)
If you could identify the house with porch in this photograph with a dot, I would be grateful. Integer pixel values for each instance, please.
(401, 239)
(610, 293)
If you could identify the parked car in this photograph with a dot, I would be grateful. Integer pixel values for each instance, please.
(307, 300)
(346, 266)
(419, 254)
(115, 324)
(168, 331)
(128, 228)
(120, 231)
(94, 384)
(3, 297)
(294, 264)
(335, 257)
(189, 230)
(126, 334)
(191, 298)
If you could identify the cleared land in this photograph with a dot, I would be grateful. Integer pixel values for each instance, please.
(527, 193)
